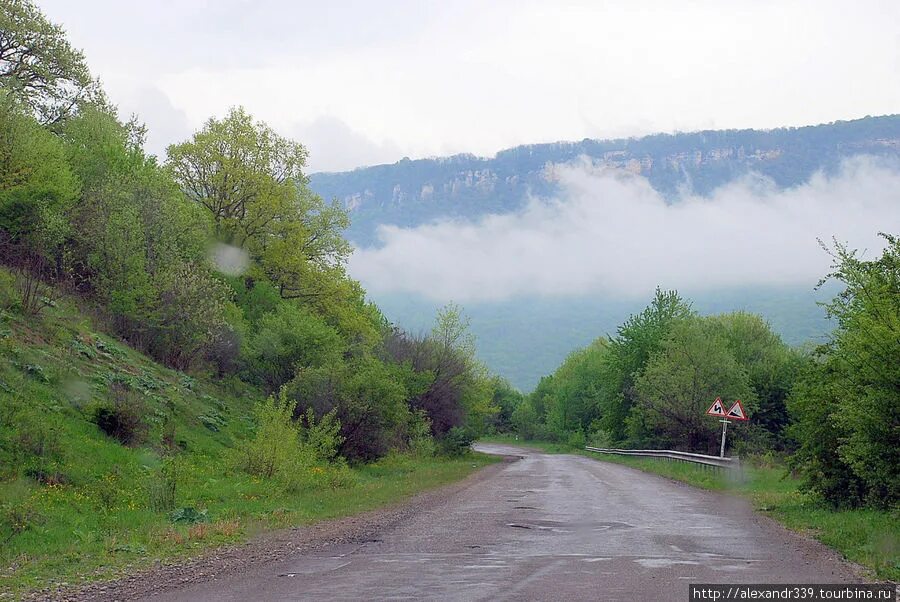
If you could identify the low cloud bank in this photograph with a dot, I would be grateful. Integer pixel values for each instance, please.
(611, 233)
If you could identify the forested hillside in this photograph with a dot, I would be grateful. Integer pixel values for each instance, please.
(413, 192)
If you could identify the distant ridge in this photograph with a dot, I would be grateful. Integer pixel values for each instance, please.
(412, 192)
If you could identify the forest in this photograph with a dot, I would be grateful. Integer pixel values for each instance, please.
(830, 410)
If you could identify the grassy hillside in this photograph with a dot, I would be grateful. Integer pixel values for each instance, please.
(77, 503)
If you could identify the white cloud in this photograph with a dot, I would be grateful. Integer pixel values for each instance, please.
(612, 233)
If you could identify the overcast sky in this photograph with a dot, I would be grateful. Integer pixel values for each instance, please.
(363, 82)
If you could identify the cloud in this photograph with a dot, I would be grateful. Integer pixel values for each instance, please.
(166, 124)
(611, 233)
(334, 146)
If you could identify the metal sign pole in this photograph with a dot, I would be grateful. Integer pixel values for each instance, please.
(724, 429)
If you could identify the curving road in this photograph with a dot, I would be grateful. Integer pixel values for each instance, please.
(547, 527)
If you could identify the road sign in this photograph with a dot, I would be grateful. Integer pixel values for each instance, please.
(716, 409)
(737, 412)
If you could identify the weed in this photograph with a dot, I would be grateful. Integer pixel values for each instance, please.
(189, 515)
(162, 486)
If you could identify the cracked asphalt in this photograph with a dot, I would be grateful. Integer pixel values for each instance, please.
(546, 527)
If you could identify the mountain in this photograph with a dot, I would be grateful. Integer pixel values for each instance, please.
(409, 193)
(525, 338)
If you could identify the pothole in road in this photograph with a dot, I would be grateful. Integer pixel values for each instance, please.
(518, 526)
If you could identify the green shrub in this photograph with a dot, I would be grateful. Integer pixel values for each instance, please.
(576, 440)
(122, 417)
(277, 438)
(283, 447)
(421, 443)
(457, 441)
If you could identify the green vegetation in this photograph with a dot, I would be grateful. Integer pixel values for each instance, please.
(866, 536)
(183, 358)
(206, 461)
(650, 385)
(833, 408)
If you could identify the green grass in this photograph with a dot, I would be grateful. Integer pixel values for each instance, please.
(77, 505)
(868, 537)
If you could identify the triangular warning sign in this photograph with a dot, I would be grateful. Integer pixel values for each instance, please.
(737, 412)
(716, 409)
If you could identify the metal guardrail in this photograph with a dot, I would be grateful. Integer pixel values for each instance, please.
(672, 455)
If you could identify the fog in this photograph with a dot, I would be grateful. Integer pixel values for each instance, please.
(611, 233)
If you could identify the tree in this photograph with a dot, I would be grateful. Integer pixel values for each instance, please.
(771, 366)
(635, 342)
(367, 396)
(251, 182)
(288, 339)
(37, 185)
(38, 65)
(853, 390)
(692, 367)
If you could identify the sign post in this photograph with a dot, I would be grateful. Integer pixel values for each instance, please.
(736, 412)
(724, 429)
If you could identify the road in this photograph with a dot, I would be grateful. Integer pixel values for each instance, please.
(547, 527)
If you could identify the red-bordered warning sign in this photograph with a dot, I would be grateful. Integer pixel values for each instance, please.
(737, 412)
(716, 409)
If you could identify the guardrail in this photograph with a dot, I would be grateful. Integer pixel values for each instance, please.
(666, 454)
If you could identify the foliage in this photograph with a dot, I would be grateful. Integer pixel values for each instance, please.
(281, 445)
(288, 338)
(250, 181)
(846, 403)
(368, 398)
(276, 441)
(650, 385)
(38, 64)
(37, 185)
(635, 342)
(457, 441)
(692, 367)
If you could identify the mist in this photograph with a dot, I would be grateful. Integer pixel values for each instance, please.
(611, 233)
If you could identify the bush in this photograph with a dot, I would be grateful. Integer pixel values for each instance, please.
(457, 441)
(162, 486)
(287, 338)
(576, 440)
(284, 448)
(276, 440)
(122, 418)
(421, 443)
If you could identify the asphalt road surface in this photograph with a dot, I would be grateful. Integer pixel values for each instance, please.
(547, 527)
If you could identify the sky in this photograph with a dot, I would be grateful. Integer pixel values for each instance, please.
(612, 235)
(362, 82)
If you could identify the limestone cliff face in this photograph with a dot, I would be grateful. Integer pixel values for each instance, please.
(409, 192)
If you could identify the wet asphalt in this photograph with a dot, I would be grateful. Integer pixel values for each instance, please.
(547, 527)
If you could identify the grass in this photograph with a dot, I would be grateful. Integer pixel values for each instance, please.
(77, 505)
(867, 537)
(544, 446)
